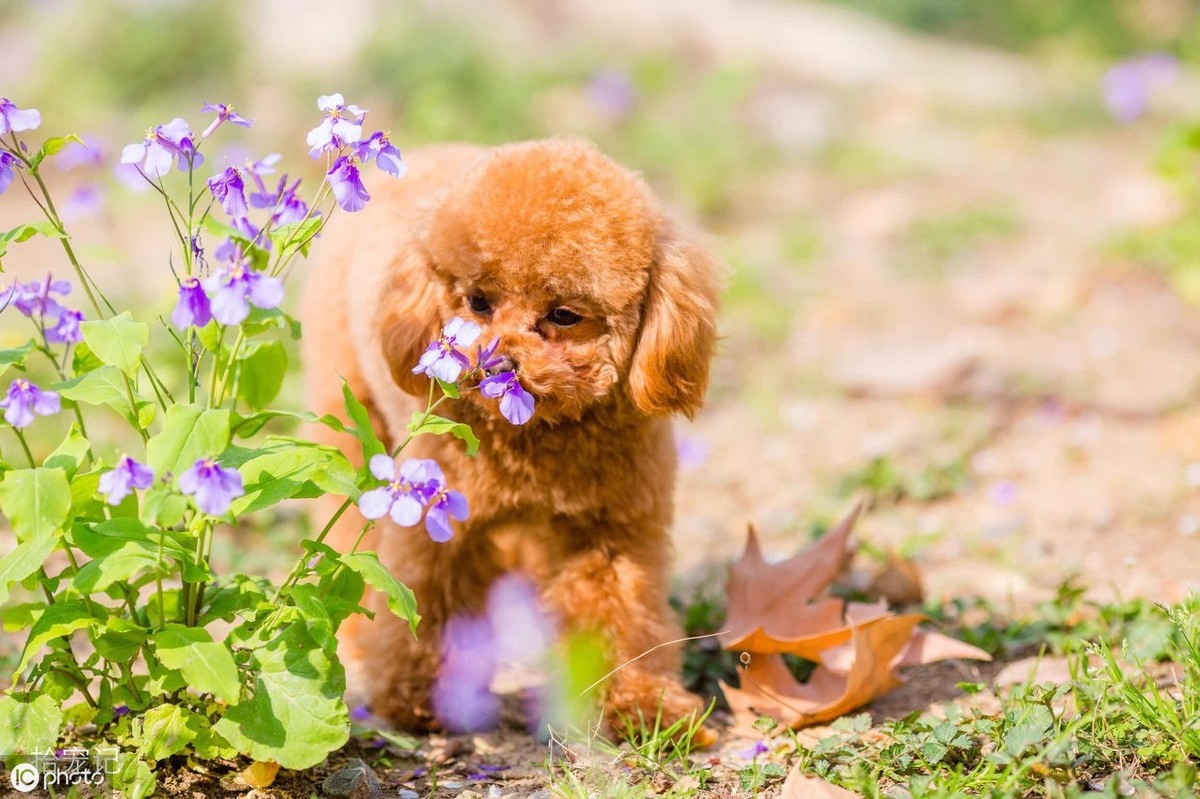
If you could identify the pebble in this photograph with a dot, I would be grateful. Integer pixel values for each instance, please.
(355, 780)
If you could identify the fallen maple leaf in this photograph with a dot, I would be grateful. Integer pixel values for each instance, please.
(775, 610)
(771, 605)
(798, 786)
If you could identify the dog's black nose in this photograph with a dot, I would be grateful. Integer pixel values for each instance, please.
(505, 364)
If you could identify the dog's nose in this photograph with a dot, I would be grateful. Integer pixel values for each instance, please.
(505, 364)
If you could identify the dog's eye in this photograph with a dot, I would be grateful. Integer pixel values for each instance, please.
(562, 317)
(479, 304)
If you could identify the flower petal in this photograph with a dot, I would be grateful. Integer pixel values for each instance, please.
(374, 504)
(383, 467)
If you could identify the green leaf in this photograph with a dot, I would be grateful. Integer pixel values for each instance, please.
(449, 389)
(132, 558)
(168, 730)
(36, 501)
(162, 507)
(356, 413)
(207, 665)
(296, 716)
(298, 235)
(286, 468)
(260, 373)
(60, 619)
(106, 386)
(246, 426)
(118, 341)
(27, 231)
(400, 599)
(28, 727)
(23, 561)
(120, 639)
(15, 356)
(191, 432)
(438, 426)
(51, 146)
(70, 454)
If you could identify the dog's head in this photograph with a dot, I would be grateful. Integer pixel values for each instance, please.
(564, 256)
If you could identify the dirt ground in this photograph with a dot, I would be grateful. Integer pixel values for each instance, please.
(958, 318)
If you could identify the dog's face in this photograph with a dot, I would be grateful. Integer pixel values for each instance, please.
(563, 256)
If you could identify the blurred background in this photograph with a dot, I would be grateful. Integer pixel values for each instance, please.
(961, 235)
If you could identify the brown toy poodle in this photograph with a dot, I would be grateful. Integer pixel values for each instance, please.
(607, 310)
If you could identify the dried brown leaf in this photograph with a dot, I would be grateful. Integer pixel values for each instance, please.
(260, 774)
(798, 786)
(899, 583)
(773, 603)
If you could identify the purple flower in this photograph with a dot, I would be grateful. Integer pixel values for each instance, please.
(1128, 84)
(24, 400)
(691, 452)
(120, 710)
(286, 205)
(462, 697)
(238, 287)
(360, 713)
(15, 119)
(124, 478)
(341, 125)
(417, 484)
(386, 156)
(162, 145)
(86, 200)
(225, 113)
(405, 494)
(523, 630)
(348, 188)
(193, 307)
(444, 506)
(444, 360)
(1003, 493)
(759, 748)
(8, 162)
(34, 298)
(486, 357)
(88, 152)
(213, 485)
(229, 190)
(516, 404)
(130, 176)
(611, 93)
(66, 329)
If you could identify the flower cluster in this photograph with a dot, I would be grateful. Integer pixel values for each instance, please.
(417, 488)
(57, 323)
(340, 134)
(213, 486)
(445, 360)
(226, 296)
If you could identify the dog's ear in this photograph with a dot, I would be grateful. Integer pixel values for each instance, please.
(408, 319)
(669, 372)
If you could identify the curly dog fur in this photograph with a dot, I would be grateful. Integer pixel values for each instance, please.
(580, 498)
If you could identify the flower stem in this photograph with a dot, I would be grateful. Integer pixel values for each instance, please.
(25, 446)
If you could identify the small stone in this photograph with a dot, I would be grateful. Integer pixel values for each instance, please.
(542, 794)
(355, 780)
(409, 793)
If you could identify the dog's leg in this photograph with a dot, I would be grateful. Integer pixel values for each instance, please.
(614, 584)
(447, 579)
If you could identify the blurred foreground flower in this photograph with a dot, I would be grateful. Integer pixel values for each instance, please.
(1129, 84)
